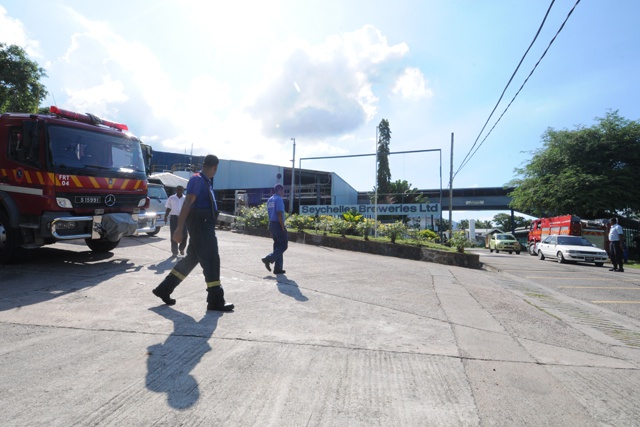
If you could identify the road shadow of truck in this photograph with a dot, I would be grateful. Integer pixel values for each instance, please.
(54, 272)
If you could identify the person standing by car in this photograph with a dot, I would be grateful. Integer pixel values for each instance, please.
(199, 212)
(174, 205)
(275, 208)
(615, 246)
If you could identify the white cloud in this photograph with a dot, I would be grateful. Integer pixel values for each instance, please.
(98, 99)
(335, 79)
(412, 84)
(12, 31)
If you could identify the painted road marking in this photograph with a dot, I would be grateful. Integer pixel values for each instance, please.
(586, 279)
(616, 302)
(635, 288)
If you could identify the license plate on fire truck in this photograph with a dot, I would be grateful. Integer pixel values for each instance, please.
(88, 199)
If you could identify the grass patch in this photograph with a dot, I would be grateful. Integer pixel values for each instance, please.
(382, 239)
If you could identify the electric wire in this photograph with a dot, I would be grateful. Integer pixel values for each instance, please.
(510, 80)
(470, 154)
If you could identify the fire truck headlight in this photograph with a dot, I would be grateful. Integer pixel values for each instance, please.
(64, 202)
(142, 202)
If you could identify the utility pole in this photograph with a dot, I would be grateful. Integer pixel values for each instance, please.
(293, 172)
(375, 182)
(451, 190)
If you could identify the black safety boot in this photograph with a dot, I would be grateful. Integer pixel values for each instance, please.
(165, 289)
(215, 300)
(163, 296)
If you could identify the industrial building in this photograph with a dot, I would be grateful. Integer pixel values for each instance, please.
(238, 182)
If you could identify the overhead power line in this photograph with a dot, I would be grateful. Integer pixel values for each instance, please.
(472, 152)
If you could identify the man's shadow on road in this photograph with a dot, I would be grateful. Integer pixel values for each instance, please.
(163, 266)
(288, 287)
(170, 363)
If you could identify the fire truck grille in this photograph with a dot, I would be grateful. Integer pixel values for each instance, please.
(98, 201)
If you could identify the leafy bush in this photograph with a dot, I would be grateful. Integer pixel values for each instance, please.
(365, 226)
(422, 235)
(324, 223)
(459, 241)
(393, 230)
(300, 222)
(255, 217)
(341, 226)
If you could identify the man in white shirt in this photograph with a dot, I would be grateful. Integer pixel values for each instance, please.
(615, 246)
(174, 206)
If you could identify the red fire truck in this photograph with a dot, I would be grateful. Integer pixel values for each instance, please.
(67, 176)
(567, 224)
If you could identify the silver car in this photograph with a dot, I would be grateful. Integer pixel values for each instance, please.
(152, 219)
(571, 249)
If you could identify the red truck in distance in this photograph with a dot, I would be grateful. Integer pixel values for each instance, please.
(570, 225)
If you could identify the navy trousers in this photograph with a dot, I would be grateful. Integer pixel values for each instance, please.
(280, 245)
(203, 250)
(173, 225)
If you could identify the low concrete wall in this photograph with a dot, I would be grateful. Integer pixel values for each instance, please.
(378, 248)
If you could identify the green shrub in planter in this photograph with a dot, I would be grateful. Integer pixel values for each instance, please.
(255, 217)
(300, 222)
(365, 227)
(393, 230)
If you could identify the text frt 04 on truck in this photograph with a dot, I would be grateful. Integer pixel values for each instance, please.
(66, 176)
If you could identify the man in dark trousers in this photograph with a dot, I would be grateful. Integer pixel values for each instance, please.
(174, 206)
(199, 212)
(615, 246)
(275, 208)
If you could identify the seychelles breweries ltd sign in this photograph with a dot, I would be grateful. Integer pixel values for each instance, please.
(413, 209)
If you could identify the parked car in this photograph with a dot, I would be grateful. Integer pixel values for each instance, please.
(154, 215)
(504, 242)
(571, 249)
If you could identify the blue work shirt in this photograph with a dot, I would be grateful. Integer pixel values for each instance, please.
(200, 186)
(275, 204)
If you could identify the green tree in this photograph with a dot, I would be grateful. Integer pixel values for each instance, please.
(400, 191)
(590, 172)
(483, 224)
(464, 223)
(384, 173)
(20, 87)
(503, 222)
(442, 224)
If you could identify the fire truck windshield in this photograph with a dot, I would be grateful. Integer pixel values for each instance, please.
(79, 151)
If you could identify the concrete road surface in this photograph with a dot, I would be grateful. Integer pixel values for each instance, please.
(343, 339)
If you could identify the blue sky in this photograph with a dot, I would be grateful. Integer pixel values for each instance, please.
(240, 79)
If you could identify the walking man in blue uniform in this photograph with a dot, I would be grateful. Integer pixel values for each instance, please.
(199, 212)
(275, 208)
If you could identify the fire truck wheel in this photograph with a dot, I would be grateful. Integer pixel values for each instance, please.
(8, 240)
(101, 245)
(560, 258)
(532, 249)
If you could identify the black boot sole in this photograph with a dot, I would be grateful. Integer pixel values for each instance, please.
(225, 308)
(165, 298)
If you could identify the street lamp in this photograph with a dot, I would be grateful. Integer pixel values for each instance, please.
(293, 172)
